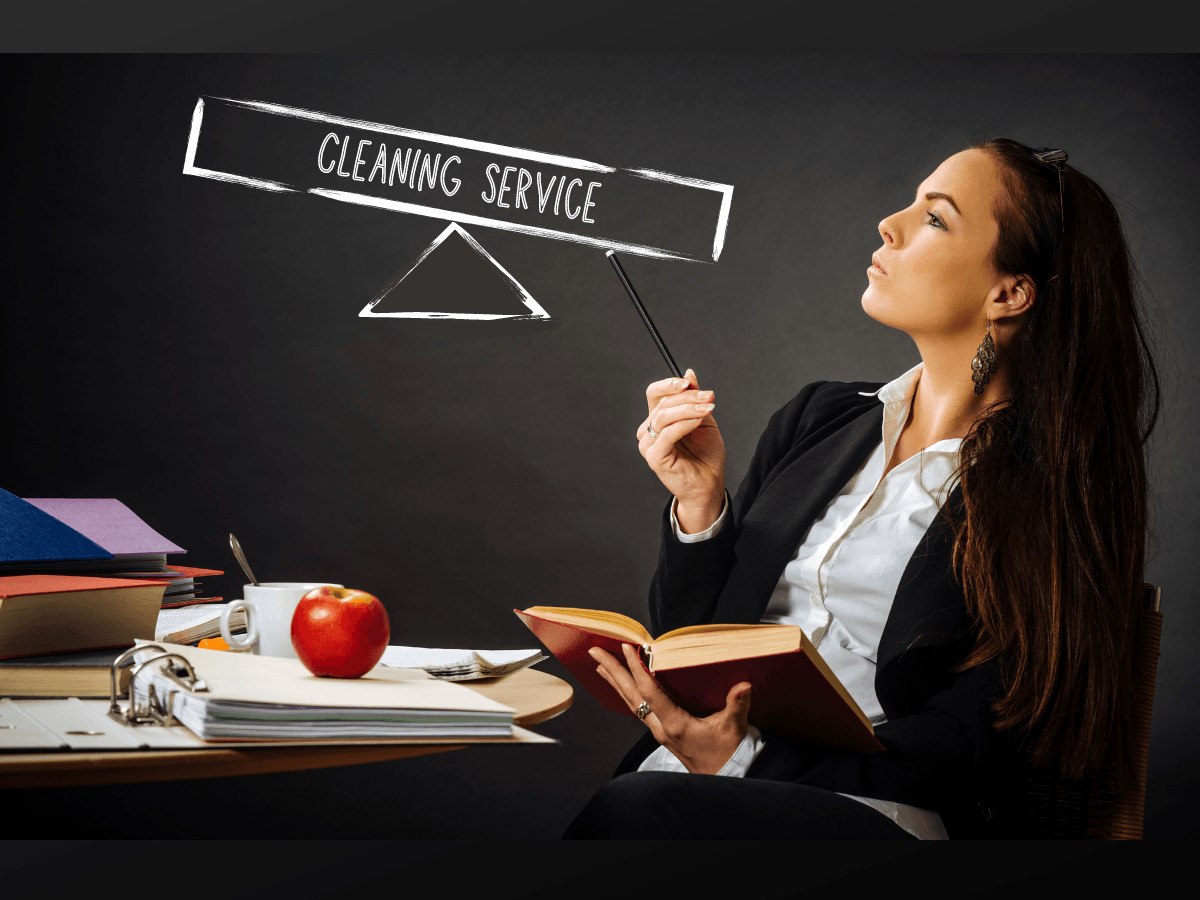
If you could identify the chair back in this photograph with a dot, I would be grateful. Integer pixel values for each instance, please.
(1089, 808)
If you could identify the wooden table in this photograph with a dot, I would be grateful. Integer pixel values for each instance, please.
(535, 696)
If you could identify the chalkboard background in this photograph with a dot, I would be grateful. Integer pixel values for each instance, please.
(194, 349)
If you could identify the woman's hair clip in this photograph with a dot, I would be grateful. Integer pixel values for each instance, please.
(1055, 158)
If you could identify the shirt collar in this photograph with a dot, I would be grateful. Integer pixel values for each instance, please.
(901, 388)
(896, 395)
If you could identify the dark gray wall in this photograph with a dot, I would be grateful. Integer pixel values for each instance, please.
(194, 349)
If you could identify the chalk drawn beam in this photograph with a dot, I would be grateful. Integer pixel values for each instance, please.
(644, 212)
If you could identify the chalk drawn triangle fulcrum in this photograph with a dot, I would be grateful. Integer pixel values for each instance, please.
(456, 280)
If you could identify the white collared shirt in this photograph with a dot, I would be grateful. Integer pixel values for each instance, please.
(840, 584)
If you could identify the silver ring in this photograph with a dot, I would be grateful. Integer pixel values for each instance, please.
(650, 430)
(642, 711)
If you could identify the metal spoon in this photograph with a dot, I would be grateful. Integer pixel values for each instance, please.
(241, 558)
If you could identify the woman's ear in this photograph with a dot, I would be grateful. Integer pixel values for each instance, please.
(1015, 296)
(1024, 294)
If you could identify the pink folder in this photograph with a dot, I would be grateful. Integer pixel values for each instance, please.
(110, 523)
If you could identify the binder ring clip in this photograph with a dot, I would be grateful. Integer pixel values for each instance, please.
(157, 710)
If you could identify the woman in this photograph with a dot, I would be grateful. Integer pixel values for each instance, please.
(963, 545)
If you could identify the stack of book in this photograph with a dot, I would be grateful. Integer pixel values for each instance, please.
(80, 580)
(184, 589)
(137, 550)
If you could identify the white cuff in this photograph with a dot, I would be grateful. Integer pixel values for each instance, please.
(744, 755)
(663, 760)
(704, 535)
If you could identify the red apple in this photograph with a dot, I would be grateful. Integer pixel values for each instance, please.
(339, 632)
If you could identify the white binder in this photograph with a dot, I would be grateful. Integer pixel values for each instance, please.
(89, 725)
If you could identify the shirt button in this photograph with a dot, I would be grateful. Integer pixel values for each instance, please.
(815, 599)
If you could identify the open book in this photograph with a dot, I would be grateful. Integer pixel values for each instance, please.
(188, 624)
(794, 692)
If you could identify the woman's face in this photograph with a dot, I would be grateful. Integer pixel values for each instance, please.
(934, 272)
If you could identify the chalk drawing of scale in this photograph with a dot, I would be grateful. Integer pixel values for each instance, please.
(454, 273)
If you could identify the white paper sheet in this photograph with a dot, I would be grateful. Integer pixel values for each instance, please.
(460, 665)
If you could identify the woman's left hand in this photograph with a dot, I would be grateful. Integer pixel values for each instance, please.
(702, 745)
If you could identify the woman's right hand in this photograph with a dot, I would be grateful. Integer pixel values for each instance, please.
(688, 455)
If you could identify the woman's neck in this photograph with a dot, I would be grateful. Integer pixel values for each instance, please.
(945, 404)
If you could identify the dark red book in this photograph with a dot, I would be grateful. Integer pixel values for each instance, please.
(794, 692)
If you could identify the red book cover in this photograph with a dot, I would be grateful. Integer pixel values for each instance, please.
(790, 694)
(190, 572)
(173, 571)
(570, 646)
(26, 585)
(194, 601)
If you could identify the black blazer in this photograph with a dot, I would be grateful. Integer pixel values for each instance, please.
(941, 751)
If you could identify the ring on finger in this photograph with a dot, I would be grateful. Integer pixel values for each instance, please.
(650, 430)
(642, 711)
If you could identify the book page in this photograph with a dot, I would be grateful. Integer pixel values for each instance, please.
(609, 624)
(173, 619)
(700, 644)
(191, 623)
(714, 630)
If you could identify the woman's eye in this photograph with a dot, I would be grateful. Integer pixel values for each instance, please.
(935, 221)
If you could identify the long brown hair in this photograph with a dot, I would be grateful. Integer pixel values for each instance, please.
(1050, 546)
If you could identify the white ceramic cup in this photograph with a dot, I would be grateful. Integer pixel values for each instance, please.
(269, 608)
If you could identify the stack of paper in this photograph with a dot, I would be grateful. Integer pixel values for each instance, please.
(272, 698)
(189, 624)
(460, 665)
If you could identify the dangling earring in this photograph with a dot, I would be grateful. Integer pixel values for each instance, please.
(983, 366)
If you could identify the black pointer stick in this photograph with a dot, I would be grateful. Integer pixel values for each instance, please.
(637, 301)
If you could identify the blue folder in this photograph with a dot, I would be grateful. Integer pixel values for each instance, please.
(28, 535)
